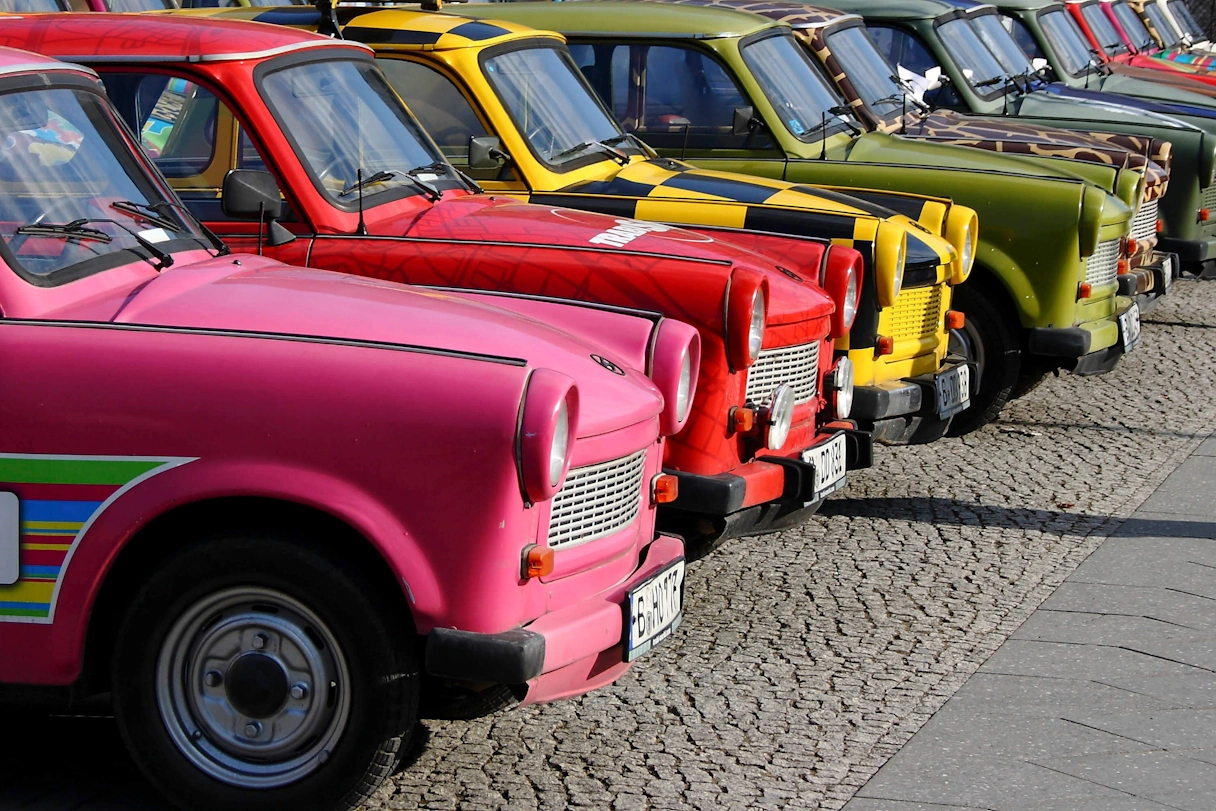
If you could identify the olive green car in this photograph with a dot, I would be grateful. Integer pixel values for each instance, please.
(733, 91)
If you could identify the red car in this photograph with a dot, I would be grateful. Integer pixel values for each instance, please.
(1106, 27)
(278, 512)
(367, 192)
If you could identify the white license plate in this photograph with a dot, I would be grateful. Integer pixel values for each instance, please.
(1167, 272)
(829, 461)
(654, 610)
(1129, 327)
(953, 390)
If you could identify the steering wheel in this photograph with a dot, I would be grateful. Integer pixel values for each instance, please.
(18, 240)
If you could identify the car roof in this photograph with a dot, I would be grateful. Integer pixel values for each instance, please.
(15, 60)
(900, 9)
(794, 14)
(631, 18)
(161, 38)
(1028, 4)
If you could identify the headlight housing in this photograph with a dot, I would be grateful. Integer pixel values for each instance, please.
(675, 359)
(779, 417)
(544, 441)
(890, 256)
(962, 232)
(842, 283)
(746, 314)
(755, 330)
(840, 381)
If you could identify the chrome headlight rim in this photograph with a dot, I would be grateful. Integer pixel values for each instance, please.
(842, 387)
(755, 329)
(779, 418)
(684, 388)
(560, 444)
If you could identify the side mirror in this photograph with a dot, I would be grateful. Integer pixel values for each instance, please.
(250, 194)
(485, 152)
(745, 121)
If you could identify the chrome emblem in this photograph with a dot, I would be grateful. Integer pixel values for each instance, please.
(609, 365)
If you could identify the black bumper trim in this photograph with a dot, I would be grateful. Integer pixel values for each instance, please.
(872, 403)
(510, 657)
(1098, 363)
(712, 495)
(1059, 342)
(1188, 250)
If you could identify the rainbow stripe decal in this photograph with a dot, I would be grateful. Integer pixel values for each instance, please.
(59, 499)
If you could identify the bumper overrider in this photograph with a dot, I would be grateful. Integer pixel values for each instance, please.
(1072, 348)
(1148, 281)
(915, 406)
(566, 652)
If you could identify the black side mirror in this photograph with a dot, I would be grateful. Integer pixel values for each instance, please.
(250, 194)
(745, 121)
(485, 152)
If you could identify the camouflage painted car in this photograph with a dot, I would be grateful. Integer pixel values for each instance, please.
(988, 73)
(470, 85)
(803, 133)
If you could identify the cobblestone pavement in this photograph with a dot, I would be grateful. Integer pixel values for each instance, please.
(806, 658)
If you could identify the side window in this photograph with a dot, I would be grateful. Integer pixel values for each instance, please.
(906, 50)
(606, 68)
(1023, 37)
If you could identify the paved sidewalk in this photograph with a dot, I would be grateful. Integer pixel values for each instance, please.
(1105, 699)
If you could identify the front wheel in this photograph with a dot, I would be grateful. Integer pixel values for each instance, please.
(992, 345)
(260, 670)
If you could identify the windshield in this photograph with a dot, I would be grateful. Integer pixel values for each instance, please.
(867, 69)
(73, 194)
(1183, 15)
(1067, 40)
(345, 122)
(975, 61)
(1103, 30)
(552, 105)
(1156, 15)
(1002, 44)
(1133, 26)
(800, 95)
(34, 5)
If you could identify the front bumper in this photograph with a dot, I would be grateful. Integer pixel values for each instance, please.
(903, 411)
(1191, 252)
(1148, 282)
(1072, 348)
(565, 653)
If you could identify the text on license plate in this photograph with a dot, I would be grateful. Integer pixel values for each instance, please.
(1129, 327)
(953, 390)
(829, 461)
(653, 610)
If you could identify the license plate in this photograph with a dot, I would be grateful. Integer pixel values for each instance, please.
(654, 610)
(953, 390)
(829, 461)
(1167, 272)
(1129, 327)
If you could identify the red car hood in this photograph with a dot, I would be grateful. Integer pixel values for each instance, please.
(482, 218)
(264, 296)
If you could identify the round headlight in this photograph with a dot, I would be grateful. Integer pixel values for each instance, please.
(561, 440)
(780, 417)
(849, 308)
(968, 249)
(755, 331)
(842, 382)
(900, 262)
(684, 389)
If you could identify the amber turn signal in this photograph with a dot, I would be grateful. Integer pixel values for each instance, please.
(1084, 289)
(955, 319)
(1204, 214)
(742, 420)
(885, 345)
(664, 489)
(1132, 246)
(538, 561)
(1160, 226)
(1121, 267)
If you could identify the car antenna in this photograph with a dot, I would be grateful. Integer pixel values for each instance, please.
(903, 113)
(823, 133)
(328, 25)
(361, 231)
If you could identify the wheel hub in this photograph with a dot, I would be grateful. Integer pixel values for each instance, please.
(256, 685)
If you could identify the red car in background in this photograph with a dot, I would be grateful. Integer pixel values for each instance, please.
(1103, 26)
(365, 191)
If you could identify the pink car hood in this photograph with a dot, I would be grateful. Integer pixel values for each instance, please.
(482, 219)
(264, 296)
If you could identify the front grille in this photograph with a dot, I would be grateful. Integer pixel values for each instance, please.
(1103, 265)
(796, 365)
(1209, 197)
(1144, 224)
(597, 500)
(917, 313)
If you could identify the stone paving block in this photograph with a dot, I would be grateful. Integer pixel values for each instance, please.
(1208, 448)
(1138, 601)
(1091, 628)
(1189, 490)
(869, 804)
(1144, 774)
(1107, 804)
(1196, 690)
(1020, 657)
(1032, 696)
(1165, 729)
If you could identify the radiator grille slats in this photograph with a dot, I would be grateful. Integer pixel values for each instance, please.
(1103, 265)
(1209, 197)
(597, 500)
(796, 365)
(917, 313)
(1144, 224)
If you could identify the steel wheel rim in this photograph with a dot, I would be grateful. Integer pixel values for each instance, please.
(252, 687)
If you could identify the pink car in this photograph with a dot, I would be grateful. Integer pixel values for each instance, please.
(276, 511)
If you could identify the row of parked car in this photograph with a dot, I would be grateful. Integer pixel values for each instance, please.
(351, 411)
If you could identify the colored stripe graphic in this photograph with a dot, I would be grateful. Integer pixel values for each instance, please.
(59, 497)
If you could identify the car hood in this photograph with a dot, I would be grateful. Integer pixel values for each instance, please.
(1167, 86)
(1060, 101)
(649, 247)
(1009, 136)
(260, 296)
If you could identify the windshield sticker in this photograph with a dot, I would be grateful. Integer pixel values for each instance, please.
(626, 231)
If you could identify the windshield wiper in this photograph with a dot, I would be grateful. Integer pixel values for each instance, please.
(617, 155)
(78, 229)
(146, 213)
(371, 180)
(161, 221)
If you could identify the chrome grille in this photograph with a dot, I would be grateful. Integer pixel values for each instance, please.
(1102, 266)
(916, 314)
(1144, 224)
(796, 365)
(597, 500)
(1209, 197)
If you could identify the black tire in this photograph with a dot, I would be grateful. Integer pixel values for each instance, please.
(994, 347)
(453, 702)
(372, 647)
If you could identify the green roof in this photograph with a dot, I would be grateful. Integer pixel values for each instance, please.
(621, 18)
(1028, 4)
(896, 9)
